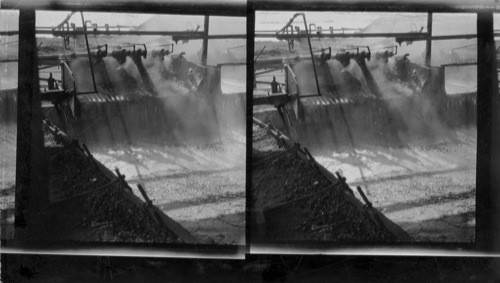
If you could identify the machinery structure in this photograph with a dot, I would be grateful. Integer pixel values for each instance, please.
(332, 85)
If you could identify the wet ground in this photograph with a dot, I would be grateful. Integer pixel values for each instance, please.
(426, 188)
(200, 186)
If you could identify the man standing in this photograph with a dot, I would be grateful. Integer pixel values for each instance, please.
(275, 86)
(52, 82)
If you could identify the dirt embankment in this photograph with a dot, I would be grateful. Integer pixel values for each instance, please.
(300, 203)
(86, 206)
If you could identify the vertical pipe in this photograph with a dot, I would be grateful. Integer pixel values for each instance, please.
(312, 55)
(488, 157)
(428, 58)
(88, 52)
(204, 53)
(428, 46)
(31, 196)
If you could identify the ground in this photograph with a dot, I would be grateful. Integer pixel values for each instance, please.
(427, 189)
(298, 202)
(200, 186)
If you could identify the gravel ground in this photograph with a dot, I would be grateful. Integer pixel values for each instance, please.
(200, 186)
(280, 176)
(426, 188)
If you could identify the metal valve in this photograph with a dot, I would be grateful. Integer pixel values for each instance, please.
(101, 53)
(344, 58)
(120, 55)
(139, 52)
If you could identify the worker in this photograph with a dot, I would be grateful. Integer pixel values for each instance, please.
(275, 86)
(52, 82)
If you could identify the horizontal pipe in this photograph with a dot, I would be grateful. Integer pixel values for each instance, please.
(442, 37)
(459, 64)
(337, 35)
(186, 35)
(120, 32)
(42, 59)
(398, 36)
(178, 35)
(232, 64)
(47, 58)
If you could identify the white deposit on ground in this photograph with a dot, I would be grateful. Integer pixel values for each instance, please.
(429, 190)
(200, 186)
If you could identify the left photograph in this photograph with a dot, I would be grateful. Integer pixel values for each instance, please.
(122, 127)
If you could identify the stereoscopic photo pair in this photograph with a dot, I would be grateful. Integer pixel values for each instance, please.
(201, 128)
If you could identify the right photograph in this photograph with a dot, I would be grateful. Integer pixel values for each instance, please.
(364, 127)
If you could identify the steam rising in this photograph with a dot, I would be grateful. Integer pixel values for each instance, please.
(408, 111)
(189, 113)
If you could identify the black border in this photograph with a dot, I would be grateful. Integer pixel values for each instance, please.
(437, 6)
(231, 9)
(235, 8)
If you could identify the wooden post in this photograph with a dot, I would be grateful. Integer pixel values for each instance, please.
(204, 53)
(428, 45)
(488, 158)
(31, 172)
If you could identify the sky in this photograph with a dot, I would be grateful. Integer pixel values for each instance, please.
(265, 20)
(9, 20)
(273, 20)
(53, 18)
